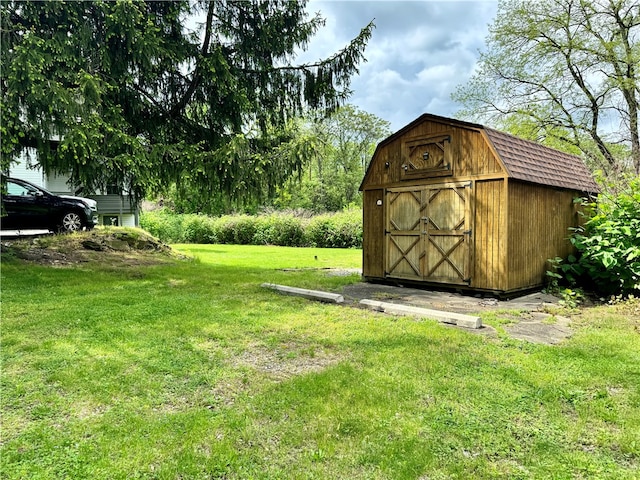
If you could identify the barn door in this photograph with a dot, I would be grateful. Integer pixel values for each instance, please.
(405, 237)
(447, 233)
(428, 233)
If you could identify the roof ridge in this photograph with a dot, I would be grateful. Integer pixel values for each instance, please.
(533, 142)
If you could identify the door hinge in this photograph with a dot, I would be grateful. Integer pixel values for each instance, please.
(468, 232)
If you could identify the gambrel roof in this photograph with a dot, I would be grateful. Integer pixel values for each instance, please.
(531, 162)
(523, 159)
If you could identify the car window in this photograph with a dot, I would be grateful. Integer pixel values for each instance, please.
(20, 190)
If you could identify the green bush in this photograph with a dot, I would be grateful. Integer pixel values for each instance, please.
(164, 225)
(279, 229)
(223, 230)
(198, 229)
(286, 230)
(235, 229)
(339, 230)
(244, 229)
(262, 234)
(608, 244)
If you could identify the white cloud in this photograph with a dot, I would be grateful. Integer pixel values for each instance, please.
(420, 51)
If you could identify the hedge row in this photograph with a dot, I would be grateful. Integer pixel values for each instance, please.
(337, 230)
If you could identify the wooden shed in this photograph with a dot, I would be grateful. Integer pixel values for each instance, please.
(453, 203)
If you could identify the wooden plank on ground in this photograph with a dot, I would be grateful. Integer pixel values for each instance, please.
(458, 319)
(305, 293)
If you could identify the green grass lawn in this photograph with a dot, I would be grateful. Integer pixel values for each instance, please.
(189, 369)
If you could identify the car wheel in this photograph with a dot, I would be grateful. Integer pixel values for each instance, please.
(71, 222)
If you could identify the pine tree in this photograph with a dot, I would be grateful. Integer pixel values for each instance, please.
(145, 94)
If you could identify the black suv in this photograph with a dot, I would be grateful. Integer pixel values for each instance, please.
(26, 206)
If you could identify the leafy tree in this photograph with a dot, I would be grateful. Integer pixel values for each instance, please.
(566, 71)
(337, 150)
(147, 94)
(185, 196)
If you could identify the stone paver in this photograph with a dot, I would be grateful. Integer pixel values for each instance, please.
(531, 323)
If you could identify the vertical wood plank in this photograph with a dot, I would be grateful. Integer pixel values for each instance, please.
(539, 222)
(487, 258)
(373, 234)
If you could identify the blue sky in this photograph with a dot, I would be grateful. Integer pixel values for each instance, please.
(420, 51)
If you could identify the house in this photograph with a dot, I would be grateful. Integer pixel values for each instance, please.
(456, 204)
(114, 206)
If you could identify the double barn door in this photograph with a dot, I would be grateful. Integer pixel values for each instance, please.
(428, 233)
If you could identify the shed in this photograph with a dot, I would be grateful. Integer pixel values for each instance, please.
(457, 204)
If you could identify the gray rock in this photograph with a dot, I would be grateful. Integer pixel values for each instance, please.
(93, 245)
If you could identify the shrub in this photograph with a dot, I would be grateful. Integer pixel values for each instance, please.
(164, 225)
(609, 243)
(339, 230)
(198, 229)
(280, 229)
(262, 234)
(244, 229)
(224, 229)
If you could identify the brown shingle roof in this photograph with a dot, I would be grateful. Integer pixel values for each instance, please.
(532, 162)
(524, 160)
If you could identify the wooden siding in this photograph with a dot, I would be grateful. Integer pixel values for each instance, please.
(539, 222)
(404, 239)
(468, 151)
(453, 213)
(489, 236)
(373, 237)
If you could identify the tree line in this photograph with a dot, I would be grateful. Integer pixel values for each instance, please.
(334, 152)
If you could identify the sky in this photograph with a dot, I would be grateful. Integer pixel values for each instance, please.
(419, 52)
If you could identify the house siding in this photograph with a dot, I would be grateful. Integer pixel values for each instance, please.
(27, 169)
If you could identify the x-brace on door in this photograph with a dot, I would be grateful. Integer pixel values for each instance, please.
(429, 232)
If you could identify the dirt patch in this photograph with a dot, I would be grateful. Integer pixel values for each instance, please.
(332, 272)
(276, 364)
(539, 327)
(286, 361)
(113, 245)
